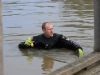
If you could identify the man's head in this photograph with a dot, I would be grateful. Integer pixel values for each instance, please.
(47, 28)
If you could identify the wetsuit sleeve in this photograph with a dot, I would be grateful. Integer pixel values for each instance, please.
(69, 44)
(28, 43)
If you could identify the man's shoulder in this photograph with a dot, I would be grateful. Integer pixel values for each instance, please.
(38, 36)
(57, 34)
(61, 36)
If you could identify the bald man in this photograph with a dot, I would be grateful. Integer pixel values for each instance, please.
(50, 40)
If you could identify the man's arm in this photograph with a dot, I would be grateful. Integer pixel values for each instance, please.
(69, 44)
(29, 43)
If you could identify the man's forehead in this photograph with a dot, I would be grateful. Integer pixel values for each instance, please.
(49, 25)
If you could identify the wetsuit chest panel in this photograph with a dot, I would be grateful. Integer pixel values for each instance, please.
(44, 42)
(50, 42)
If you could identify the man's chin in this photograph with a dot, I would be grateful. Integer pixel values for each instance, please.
(51, 35)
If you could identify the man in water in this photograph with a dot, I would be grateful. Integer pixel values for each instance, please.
(49, 40)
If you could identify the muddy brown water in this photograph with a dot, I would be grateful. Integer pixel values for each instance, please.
(23, 18)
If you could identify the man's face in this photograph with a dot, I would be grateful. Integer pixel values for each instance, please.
(48, 31)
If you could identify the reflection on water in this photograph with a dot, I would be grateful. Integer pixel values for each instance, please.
(48, 63)
(23, 18)
(29, 54)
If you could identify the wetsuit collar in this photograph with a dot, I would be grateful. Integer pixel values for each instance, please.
(46, 37)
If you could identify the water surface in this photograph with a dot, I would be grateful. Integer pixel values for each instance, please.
(23, 18)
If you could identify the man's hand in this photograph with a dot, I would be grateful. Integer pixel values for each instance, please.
(29, 42)
(80, 52)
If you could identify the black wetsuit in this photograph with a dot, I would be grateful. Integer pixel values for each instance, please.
(57, 41)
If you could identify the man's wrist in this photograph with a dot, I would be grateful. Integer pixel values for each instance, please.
(29, 42)
(80, 52)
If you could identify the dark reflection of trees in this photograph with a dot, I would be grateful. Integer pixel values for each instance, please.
(76, 1)
(80, 1)
(79, 5)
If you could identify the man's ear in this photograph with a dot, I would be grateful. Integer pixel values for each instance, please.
(43, 30)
